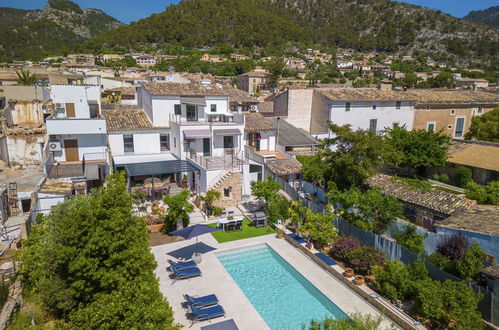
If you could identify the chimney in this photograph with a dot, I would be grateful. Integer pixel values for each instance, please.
(385, 85)
(473, 87)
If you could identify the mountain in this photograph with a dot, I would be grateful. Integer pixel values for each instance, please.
(364, 25)
(489, 16)
(58, 28)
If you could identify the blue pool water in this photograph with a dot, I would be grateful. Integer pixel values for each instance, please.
(282, 296)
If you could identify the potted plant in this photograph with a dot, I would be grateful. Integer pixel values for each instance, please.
(349, 272)
(280, 234)
(359, 280)
(185, 181)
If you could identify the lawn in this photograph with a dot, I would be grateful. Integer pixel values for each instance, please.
(247, 232)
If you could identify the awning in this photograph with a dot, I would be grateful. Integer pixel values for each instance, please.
(157, 168)
(191, 134)
(193, 101)
(225, 132)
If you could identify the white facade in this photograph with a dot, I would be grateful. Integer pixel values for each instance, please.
(362, 115)
(79, 95)
(144, 143)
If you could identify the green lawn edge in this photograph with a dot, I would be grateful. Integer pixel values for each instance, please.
(247, 232)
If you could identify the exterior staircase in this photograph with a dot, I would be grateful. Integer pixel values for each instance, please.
(220, 179)
(196, 217)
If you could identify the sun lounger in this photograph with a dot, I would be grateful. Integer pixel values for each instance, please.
(201, 302)
(298, 239)
(206, 313)
(325, 258)
(185, 273)
(182, 265)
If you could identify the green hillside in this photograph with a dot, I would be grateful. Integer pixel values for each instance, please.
(489, 16)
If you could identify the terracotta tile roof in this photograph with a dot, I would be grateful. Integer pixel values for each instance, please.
(454, 96)
(435, 200)
(481, 218)
(255, 122)
(484, 156)
(365, 94)
(237, 96)
(191, 89)
(284, 166)
(256, 74)
(57, 187)
(127, 120)
(122, 90)
(290, 135)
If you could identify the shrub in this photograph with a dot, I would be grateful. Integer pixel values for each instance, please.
(342, 247)
(464, 175)
(364, 258)
(483, 194)
(440, 261)
(471, 262)
(444, 178)
(278, 209)
(356, 322)
(392, 280)
(410, 239)
(217, 211)
(453, 246)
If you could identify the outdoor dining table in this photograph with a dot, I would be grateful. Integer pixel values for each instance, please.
(224, 221)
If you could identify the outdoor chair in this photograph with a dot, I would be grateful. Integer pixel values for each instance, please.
(230, 226)
(181, 265)
(230, 214)
(206, 313)
(239, 225)
(201, 302)
(224, 215)
(185, 274)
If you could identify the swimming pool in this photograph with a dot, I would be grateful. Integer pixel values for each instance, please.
(282, 296)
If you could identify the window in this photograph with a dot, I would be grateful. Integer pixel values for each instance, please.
(178, 110)
(227, 192)
(449, 127)
(374, 106)
(213, 108)
(94, 110)
(347, 106)
(395, 124)
(397, 105)
(459, 127)
(164, 141)
(480, 109)
(430, 127)
(228, 142)
(128, 142)
(373, 123)
(452, 111)
(175, 142)
(254, 80)
(427, 108)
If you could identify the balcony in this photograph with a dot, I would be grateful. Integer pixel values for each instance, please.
(233, 158)
(209, 119)
(63, 125)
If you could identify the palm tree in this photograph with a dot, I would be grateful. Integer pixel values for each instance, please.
(26, 78)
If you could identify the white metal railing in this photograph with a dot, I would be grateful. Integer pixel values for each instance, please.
(209, 119)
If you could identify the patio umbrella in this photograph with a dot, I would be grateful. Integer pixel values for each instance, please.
(194, 231)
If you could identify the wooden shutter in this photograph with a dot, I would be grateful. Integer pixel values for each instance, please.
(70, 110)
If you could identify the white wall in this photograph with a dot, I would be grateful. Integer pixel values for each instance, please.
(221, 103)
(143, 144)
(86, 144)
(362, 112)
(162, 107)
(80, 95)
(25, 153)
(45, 202)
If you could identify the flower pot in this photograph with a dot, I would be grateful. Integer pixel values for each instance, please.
(280, 235)
(349, 272)
(369, 278)
(359, 280)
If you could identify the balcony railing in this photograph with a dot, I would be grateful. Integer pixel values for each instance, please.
(232, 158)
(209, 119)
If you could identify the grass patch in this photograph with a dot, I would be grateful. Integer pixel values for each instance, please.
(247, 232)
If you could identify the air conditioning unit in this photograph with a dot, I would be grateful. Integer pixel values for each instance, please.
(254, 108)
(55, 146)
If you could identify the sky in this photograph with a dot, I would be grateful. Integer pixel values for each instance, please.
(132, 10)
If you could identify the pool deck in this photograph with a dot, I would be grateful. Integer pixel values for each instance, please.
(217, 280)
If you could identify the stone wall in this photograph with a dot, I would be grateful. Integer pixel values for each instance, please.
(233, 180)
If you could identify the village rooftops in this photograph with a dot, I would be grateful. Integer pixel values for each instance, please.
(238, 97)
(57, 187)
(365, 94)
(255, 74)
(292, 136)
(480, 218)
(478, 154)
(179, 89)
(256, 122)
(283, 167)
(128, 120)
(455, 96)
(435, 200)
(121, 90)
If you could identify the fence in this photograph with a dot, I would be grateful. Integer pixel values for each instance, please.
(394, 251)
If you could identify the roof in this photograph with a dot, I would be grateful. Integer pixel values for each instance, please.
(237, 96)
(256, 74)
(289, 135)
(179, 89)
(57, 187)
(453, 96)
(122, 90)
(127, 120)
(255, 121)
(481, 218)
(435, 200)
(283, 167)
(492, 271)
(475, 154)
(365, 94)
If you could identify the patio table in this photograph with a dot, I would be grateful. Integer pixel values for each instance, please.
(224, 221)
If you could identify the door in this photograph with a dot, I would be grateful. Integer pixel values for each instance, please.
(191, 113)
(70, 110)
(206, 147)
(258, 138)
(71, 150)
(459, 127)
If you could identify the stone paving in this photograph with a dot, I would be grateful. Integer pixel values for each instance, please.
(217, 280)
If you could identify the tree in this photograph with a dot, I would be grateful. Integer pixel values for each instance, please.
(356, 322)
(179, 208)
(209, 199)
(471, 262)
(352, 156)
(266, 191)
(314, 169)
(464, 176)
(371, 210)
(419, 148)
(275, 67)
(488, 194)
(90, 263)
(409, 238)
(484, 127)
(26, 78)
(320, 228)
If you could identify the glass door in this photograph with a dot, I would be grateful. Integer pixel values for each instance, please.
(191, 113)
(206, 147)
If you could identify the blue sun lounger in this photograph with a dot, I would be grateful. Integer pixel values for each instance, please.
(182, 265)
(201, 302)
(181, 274)
(325, 258)
(206, 313)
(298, 239)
